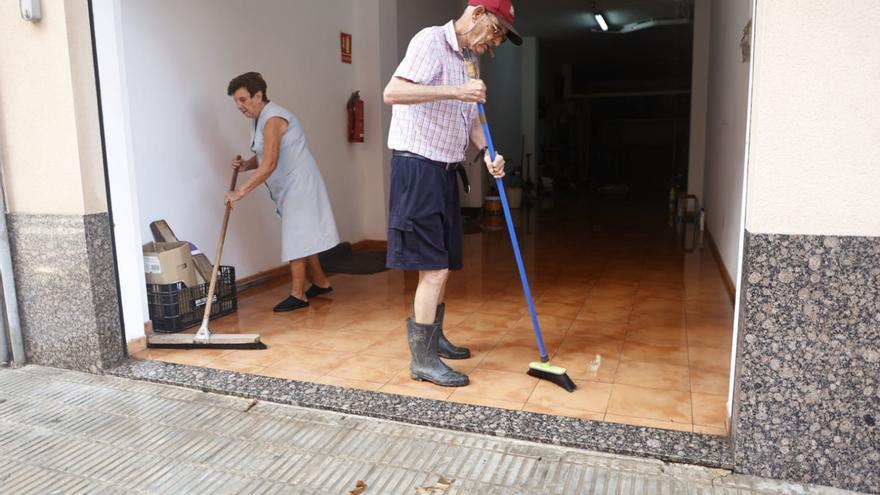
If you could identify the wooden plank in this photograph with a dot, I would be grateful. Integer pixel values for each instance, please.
(216, 338)
(162, 233)
(369, 245)
(725, 276)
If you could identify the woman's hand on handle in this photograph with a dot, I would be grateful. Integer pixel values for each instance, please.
(243, 165)
(232, 196)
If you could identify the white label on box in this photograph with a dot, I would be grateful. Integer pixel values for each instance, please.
(202, 301)
(151, 264)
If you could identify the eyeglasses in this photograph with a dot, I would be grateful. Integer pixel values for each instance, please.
(497, 30)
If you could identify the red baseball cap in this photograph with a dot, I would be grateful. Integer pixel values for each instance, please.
(503, 10)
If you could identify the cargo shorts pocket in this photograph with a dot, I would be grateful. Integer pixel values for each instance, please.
(402, 243)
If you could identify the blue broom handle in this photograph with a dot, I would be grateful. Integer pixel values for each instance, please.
(513, 239)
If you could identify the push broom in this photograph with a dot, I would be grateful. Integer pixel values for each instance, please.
(204, 339)
(543, 369)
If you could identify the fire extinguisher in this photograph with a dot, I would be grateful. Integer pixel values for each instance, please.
(355, 109)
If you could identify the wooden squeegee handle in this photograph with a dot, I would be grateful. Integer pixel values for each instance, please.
(213, 285)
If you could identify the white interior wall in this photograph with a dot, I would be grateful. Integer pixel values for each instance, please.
(415, 15)
(726, 123)
(185, 129)
(120, 175)
(699, 96)
(814, 164)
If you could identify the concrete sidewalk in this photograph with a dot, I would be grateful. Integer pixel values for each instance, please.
(65, 432)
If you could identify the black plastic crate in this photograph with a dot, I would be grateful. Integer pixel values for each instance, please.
(175, 307)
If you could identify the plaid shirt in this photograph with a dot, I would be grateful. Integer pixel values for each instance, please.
(438, 130)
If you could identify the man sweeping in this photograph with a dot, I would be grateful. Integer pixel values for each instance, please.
(434, 116)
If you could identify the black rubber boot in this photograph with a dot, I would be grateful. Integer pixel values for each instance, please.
(448, 350)
(426, 365)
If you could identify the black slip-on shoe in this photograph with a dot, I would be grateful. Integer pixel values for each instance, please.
(315, 291)
(290, 304)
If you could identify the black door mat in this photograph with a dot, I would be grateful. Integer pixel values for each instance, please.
(341, 259)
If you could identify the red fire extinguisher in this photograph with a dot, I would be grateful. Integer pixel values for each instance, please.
(355, 109)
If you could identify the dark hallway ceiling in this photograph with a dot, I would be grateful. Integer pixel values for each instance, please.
(657, 58)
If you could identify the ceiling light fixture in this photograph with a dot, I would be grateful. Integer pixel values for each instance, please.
(600, 19)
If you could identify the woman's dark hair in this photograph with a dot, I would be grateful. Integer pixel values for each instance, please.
(251, 81)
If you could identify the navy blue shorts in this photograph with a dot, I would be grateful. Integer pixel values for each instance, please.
(424, 220)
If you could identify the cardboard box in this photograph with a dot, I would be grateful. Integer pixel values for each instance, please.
(168, 263)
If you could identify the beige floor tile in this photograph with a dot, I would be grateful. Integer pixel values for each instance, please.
(715, 359)
(614, 290)
(709, 382)
(377, 369)
(514, 358)
(664, 405)
(648, 423)
(597, 330)
(476, 340)
(489, 322)
(653, 375)
(501, 385)
(650, 305)
(589, 360)
(563, 411)
(562, 311)
(607, 347)
(258, 357)
(710, 338)
(453, 318)
(658, 292)
(575, 295)
(525, 337)
(606, 309)
(655, 353)
(352, 342)
(589, 396)
(504, 308)
(709, 410)
(547, 323)
(313, 361)
(661, 335)
(290, 336)
(377, 325)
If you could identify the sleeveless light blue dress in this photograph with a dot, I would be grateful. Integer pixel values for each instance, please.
(297, 189)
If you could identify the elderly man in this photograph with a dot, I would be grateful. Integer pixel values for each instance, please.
(434, 115)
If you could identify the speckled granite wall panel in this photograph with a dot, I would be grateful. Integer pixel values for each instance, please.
(66, 302)
(676, 446)
(808, 397)
(102, 270)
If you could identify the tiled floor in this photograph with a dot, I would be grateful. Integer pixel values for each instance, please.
(643, 327)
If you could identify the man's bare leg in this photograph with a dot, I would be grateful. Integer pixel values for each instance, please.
(431, 288)
(424, 335)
